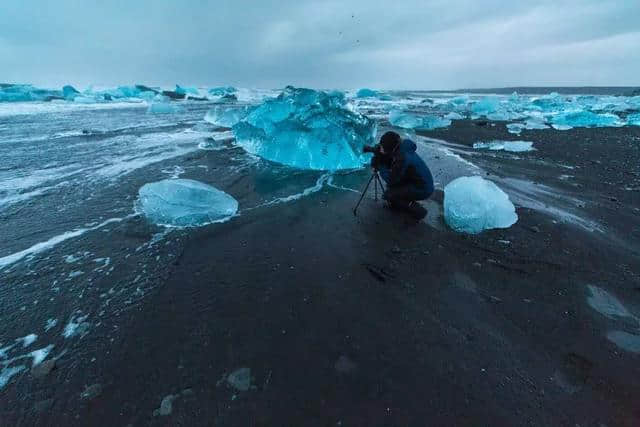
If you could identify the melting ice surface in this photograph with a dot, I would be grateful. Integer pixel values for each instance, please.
(584, 119)
(473, 204)
(513, 146)
(307, 129)
(410, 121)
(185, 203)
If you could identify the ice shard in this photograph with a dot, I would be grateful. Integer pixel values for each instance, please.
(513, 146)
(473, 204)
(225, 116)
(184, 203)
(411, 121)
(307, 129)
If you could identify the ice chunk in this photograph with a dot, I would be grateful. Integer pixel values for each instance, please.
(486, 105)
(222, 90)
(514, 146)
(225, 116)
(21, 93)
(186, 90)
(185, 203)
(385, 98)
(454, 116)
(366, 93)
(69, 92)
(307, 129)
(550, 103)
(515, 128)
(410, 121)
(473, 204)
(164, 108)
(633, 119)
(567, 121)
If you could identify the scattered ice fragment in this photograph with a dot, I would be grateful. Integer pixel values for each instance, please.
(605, 303)
(625, 340)
(366, 93)
(50, 324)
(8, 372)
(454, 116)
(515, 128)
(240, 379)
(166, 405)
(28, 340)
(473, 204)
(75, 274)
(513, 146)
(76, 326)
(163, 108)
(185, 202)
(411, 121)
(307, 129)
(41, 354)
(225, 116)
(567, 121)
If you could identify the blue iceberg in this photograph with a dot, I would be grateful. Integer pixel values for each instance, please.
(184, 203)
(366, 93)
(513, 146)
(633, 119)
(565, 121)
(222, 90)
(186, 90)
(473, 204)
(411, 121)
(69, 92)
(225, 117)
(23, 93)
(307, 129)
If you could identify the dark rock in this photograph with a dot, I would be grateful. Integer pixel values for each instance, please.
(43, 405)
(535, 229)
(44, 368)
(480, 123)
(143, 88)
(91, 392)
(173, 95)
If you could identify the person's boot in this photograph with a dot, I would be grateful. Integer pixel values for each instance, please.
(416, 210)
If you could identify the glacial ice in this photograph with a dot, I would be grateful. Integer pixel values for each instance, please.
(410, 121)
(473, 204)
(224, 116)
(366, 93)
(307, 129)
(222, 90)
(583, 118)
(21, 93)
(69, 92)
(633, 119)
(184, 203)
(186, 90)
(513, 146)
(454, 116)
(164, 108)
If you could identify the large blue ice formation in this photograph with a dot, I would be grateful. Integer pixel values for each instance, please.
(307, 129)
(366, 93)
(222, 90)
(634, 119)
(184, 202)
(473, 204)
(513, 146)
(69, 92)
(566, 121)
(224, 116)
(410, 121)
(20, 93)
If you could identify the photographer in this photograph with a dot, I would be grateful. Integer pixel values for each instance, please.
(407, 176)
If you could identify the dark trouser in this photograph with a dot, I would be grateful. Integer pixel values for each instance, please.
(403, 196)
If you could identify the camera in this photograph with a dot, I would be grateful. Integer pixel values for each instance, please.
(374, 149)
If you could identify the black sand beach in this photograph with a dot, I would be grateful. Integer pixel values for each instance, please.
(376, 321)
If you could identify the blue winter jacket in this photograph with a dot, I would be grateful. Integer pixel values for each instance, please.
(407, 168)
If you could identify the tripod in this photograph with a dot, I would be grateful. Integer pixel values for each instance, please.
(375, 177)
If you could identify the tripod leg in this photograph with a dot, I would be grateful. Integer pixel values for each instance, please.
(364, 192)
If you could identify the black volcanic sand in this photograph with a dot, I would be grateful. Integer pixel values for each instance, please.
(375, 321)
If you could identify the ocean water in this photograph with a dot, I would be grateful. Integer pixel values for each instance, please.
(75, 253)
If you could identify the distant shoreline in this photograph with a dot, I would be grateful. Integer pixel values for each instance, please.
(564, 90)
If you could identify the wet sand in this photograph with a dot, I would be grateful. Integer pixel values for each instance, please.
(376, 321)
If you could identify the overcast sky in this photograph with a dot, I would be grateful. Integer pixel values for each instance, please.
(401, 44)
